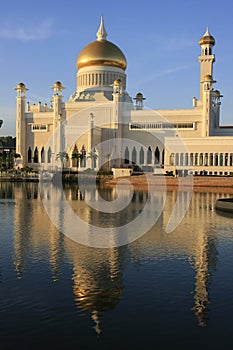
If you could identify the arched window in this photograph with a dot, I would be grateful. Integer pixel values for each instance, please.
(75, 157)
(126, 155)
(216, 159)
(172, 159)
(201, 159)
(206, 159)
(29, 155)
(211, 162)
(42, 155)
(231, 159)
(226, 159)
(157, 156)
(134, 156)
(182, 159)
(221, 159)
(83, 156)
(191, 158)
(35, 159)
(149, 155)
(49, 154)
(141, 156)
(196, 159)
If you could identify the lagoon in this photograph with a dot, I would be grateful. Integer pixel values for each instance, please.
(162, 290)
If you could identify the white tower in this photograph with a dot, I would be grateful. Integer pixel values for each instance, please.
(206, 58)
(20, 122)
(58, 118)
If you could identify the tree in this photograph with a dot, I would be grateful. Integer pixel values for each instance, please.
(62, 156)
(78, 156)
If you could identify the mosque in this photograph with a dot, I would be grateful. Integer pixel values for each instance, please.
(101, 126)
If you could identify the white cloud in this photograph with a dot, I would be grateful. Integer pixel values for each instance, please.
(42, 31)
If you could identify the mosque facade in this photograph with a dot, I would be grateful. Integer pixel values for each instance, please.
(102, 126)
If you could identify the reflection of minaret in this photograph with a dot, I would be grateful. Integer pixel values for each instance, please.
(204, 261)
(33, 232)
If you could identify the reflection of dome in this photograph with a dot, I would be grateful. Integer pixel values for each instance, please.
(101, 53)
(207, 39)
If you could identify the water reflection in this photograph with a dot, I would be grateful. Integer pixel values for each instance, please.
(97, 274)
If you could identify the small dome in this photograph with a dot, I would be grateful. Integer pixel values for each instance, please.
(117, 81)
(208, 77)
(216, 92)
(139, 96)
(57, 84)
(21, 86)
(207, 39)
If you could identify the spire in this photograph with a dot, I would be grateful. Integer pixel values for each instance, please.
(207, 32)
(101, 34)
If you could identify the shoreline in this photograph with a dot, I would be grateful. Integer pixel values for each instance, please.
(195, 183)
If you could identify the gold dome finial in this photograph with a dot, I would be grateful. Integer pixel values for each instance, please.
(207, 38)
(101, 34)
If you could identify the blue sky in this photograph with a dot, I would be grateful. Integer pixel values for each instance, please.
(40, 42)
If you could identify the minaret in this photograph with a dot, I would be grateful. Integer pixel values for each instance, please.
(20, 122)
(207, 91)
(117, 103)
(58, 117)
(206, 58)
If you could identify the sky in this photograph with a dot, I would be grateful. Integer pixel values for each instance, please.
(40, 42)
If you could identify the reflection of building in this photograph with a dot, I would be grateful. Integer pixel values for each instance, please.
(100, 110)
(97, 274)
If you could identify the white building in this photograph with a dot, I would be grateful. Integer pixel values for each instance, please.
(100, 118)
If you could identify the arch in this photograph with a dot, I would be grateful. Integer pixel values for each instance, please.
(141, 156)
(49, 155)
(83, 156)
(126, 155)
(42, 155)
(134, 156)
(29, 155)
(157, 155)
(149, 155)
(172, 159)
(36, 155)
(216, 159)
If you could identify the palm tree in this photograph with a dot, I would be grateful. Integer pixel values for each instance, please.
(62, 156)
(78, 156)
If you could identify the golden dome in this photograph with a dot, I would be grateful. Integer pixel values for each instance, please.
(101, 52)
(207, 39)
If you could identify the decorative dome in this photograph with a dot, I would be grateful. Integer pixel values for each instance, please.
(101, 52)
(207, 39)
(57, 84)
(117, 81)
(139, 95)
(21, 86)
(208, 77)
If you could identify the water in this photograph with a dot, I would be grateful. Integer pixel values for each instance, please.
(164, 290)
